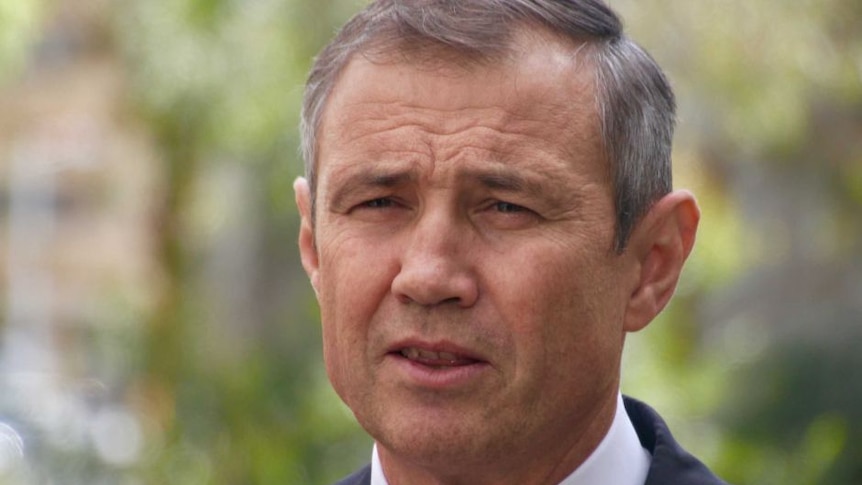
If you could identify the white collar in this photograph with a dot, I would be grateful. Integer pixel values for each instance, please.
(619, 459)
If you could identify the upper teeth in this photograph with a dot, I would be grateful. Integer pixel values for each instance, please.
(413, 353)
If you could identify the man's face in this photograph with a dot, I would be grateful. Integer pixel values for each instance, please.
(471, 301)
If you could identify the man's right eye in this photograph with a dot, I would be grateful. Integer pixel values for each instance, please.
(381, 203)
(381, 209)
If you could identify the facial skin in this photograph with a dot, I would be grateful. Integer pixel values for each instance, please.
(473, 307)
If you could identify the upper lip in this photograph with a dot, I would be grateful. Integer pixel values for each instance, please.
(440, 347)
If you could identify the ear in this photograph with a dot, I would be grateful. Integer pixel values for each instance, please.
(307, 247)
(661, 243)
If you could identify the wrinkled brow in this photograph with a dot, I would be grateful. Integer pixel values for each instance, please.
(507, 181)
(370, 176)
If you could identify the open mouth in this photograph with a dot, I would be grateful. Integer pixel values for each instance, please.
(434, 359)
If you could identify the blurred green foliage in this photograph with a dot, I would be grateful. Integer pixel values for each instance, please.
(754, 363)
(18, 29)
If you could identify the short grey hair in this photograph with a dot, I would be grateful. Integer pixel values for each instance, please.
(636, 104)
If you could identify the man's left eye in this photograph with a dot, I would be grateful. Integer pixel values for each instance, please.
(508, 207)
(507, 215)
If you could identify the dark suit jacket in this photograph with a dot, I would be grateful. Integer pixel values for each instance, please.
(671, 465)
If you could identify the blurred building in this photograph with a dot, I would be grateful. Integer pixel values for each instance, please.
(78, 179)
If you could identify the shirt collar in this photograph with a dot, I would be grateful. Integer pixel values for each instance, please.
(619, 459)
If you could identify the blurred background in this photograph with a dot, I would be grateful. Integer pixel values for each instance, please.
(156, 326)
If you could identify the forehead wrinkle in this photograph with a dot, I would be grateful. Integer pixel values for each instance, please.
(383, 162)
(501, 133)
(524, 106)
(513, 126)
(378, 140)
(435, 121)
(382, 105)
(516, 147)
(383, 178)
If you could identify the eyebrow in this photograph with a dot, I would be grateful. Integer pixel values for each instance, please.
(370, 177)
(507, 181)
(383, 178)
(494, 178)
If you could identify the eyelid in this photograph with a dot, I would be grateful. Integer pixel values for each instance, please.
(504, 215)
(516, 207)
(495, 203)
(379, 203)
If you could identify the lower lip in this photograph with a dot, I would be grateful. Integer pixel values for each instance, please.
(437, 378)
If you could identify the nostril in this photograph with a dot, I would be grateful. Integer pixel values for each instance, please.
(404, 298)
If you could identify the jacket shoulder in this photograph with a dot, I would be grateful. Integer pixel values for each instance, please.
(359, 477)
(671, 464)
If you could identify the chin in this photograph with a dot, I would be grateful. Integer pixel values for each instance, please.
(435, 440)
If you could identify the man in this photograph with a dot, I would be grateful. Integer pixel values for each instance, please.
(487, 211)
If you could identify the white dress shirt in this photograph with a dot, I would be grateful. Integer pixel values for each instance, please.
(618, 460)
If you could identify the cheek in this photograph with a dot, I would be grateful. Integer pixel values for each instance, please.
(354, 284)
(564, 309)
(350, 277)
(344, 352)
(352, 291)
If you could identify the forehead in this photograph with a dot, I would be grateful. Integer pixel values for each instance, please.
(535, 59)
(542, 86)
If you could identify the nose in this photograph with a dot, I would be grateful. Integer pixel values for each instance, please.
(435, 266)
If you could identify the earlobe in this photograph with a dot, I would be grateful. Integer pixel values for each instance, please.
(307, 246)
(661, 243)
